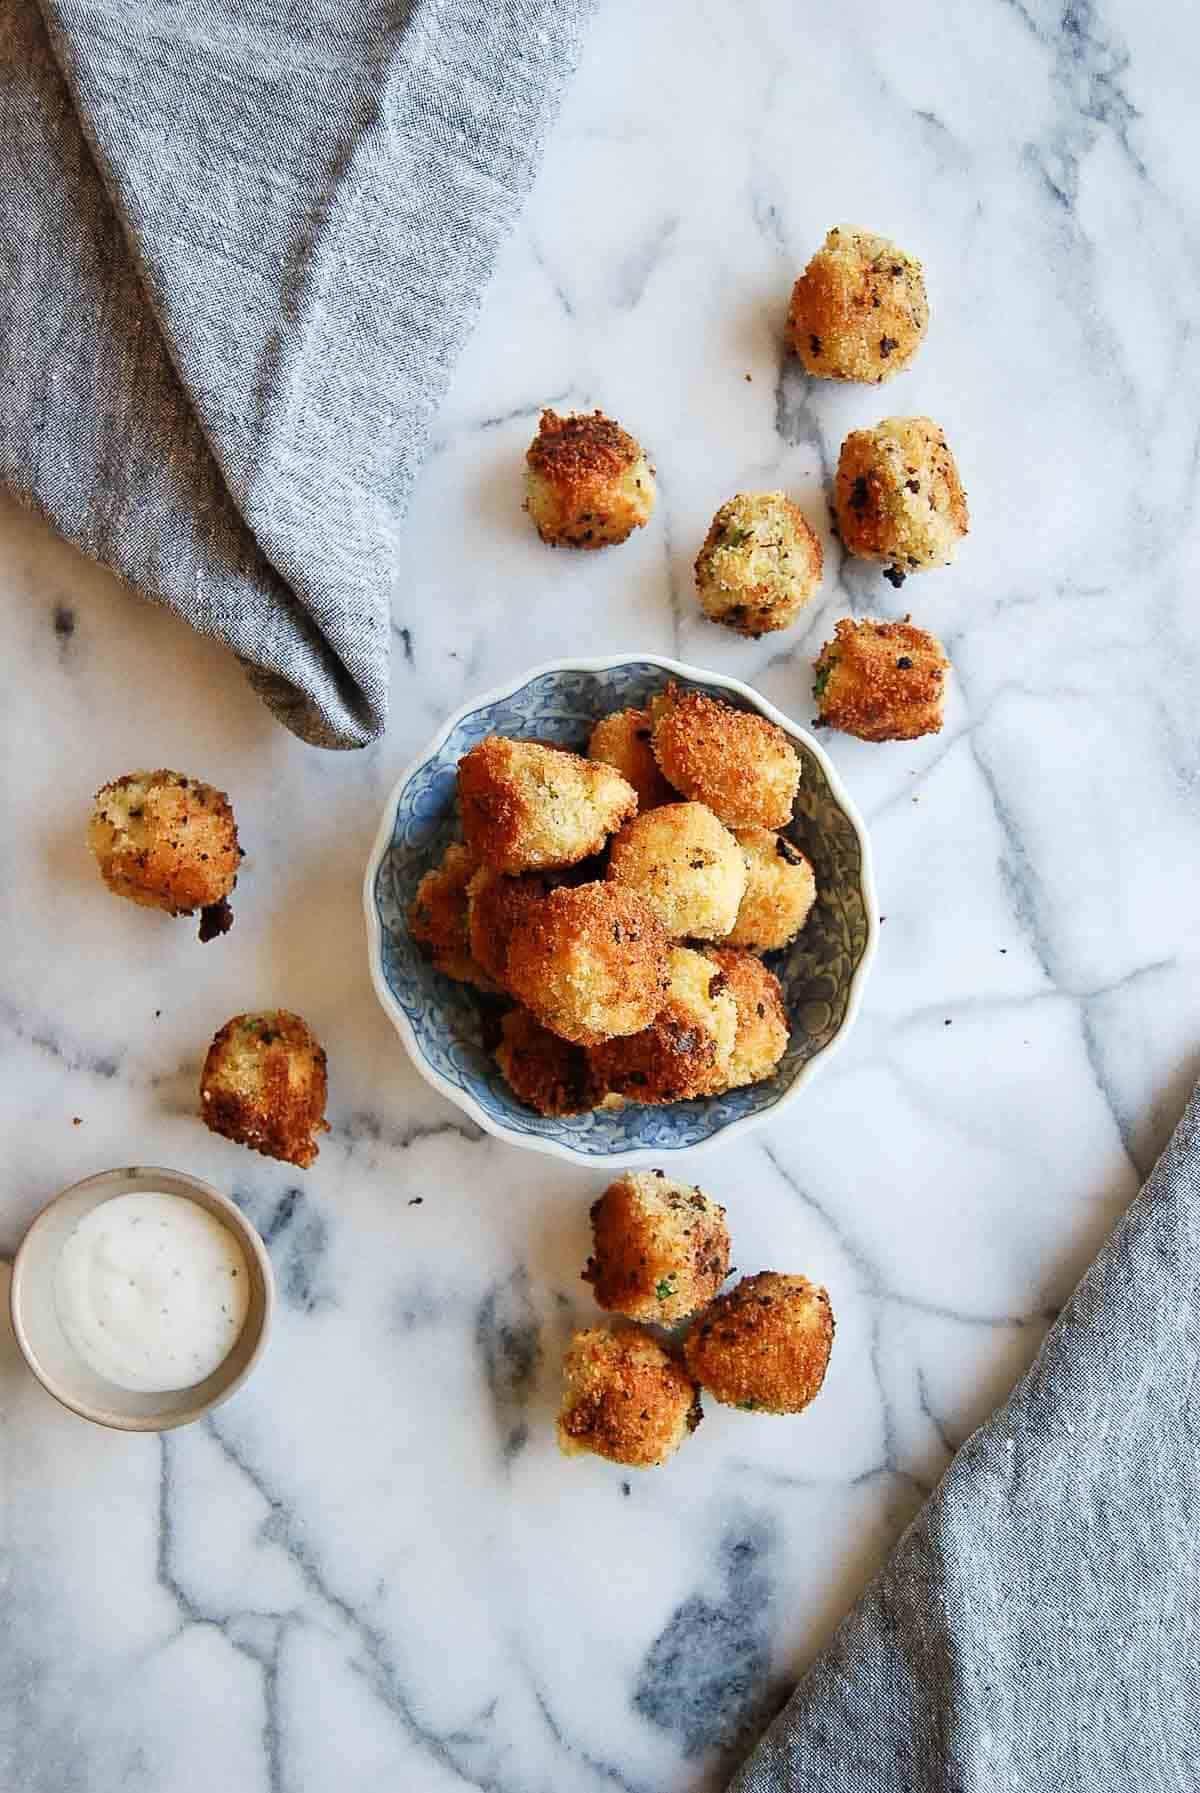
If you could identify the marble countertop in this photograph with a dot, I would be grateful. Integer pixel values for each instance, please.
(372, 1569)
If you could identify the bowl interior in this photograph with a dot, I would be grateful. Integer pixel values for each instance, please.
(453, 1027)
(53, 1359)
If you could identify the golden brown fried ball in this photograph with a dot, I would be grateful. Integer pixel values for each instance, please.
(264, 1086)
(898, 497)
(590, 962)
(526, 806)
(881, 681)
(859, 309)
(765, 1345)
(660, 1250)
(168, 842)
(437, 918)
(543, 1071)
(760, 564)
(623, 740)
(780, 891)
(494, 904)
(625, 1398)
(587, 482)
(686, 865)
(685, 1051)
(741, 765)
(762, 1022)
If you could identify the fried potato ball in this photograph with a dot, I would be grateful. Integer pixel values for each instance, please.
(543, 1071)
(762, 1022)
(760, 564)
(526, 806)
(437, 918)
(494, 904)
(590, 961)
(625, 1398)
(765, 1345)
(660, 1250)
(587, 482)
(881, 681)
(685, 1051)
(859, 310)
(741, 765)
(623, 740)
(686, 865)
(780, 891)
(168, 842)
(898, 497)
(264, 1086)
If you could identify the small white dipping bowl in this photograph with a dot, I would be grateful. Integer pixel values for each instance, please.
(56, 1364)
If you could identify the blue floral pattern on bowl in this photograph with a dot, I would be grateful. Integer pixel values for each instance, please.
(444, 1023)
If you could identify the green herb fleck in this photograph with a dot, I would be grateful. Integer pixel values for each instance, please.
(748, 1406)
(822, 679)
(733, 537)
(663, 1289)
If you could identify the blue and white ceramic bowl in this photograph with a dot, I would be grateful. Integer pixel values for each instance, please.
(442, 1023)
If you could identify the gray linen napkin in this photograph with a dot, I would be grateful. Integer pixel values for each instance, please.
(241, 243)
(1038, 1626)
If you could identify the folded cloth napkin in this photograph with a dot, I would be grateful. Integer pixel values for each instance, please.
(241, 242)
(1038, 1626)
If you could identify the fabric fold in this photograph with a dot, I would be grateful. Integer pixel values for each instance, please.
(1038, 1626)
(242, 245)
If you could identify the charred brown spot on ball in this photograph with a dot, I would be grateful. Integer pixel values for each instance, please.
(787, 851)
(814, 343)
(887, 344)
(860, 493)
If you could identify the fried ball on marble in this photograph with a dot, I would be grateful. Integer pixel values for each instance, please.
(685, 1051)
(587, 482)
(590, 961)
(168, 842)
(660, 1250)
(437, 918)
(625, 1397)
(741, 765)
(881, 681)
(686, 865)
(898, 497)
(762, 1021)
(760, 564)
(494, 904)
(544, 1072)
(764, 1345)
(526, 806)
(623, 740)
(780, 891)
(264, 1086)
(859, 310)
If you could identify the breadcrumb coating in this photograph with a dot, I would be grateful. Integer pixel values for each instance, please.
(763, 1030)
(437, 918)
(760, 564)
(881, 681)
(526, 806)
(780, 891)
(623, 740)
(686, 865)
(544, 1072)
(590, 962)
(741, 765)
(625, 1397)
(898, 497)
(264, 1086)
(859, 310)
(168, 842)
(685, 1051)
(764, 1345)
(660, 1249)
(587, 482)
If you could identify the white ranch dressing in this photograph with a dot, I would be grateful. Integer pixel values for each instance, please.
(152, 1291)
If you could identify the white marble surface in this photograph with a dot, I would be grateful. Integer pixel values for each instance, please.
(373, 1569)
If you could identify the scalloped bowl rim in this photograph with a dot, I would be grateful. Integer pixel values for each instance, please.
(640, 1155)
